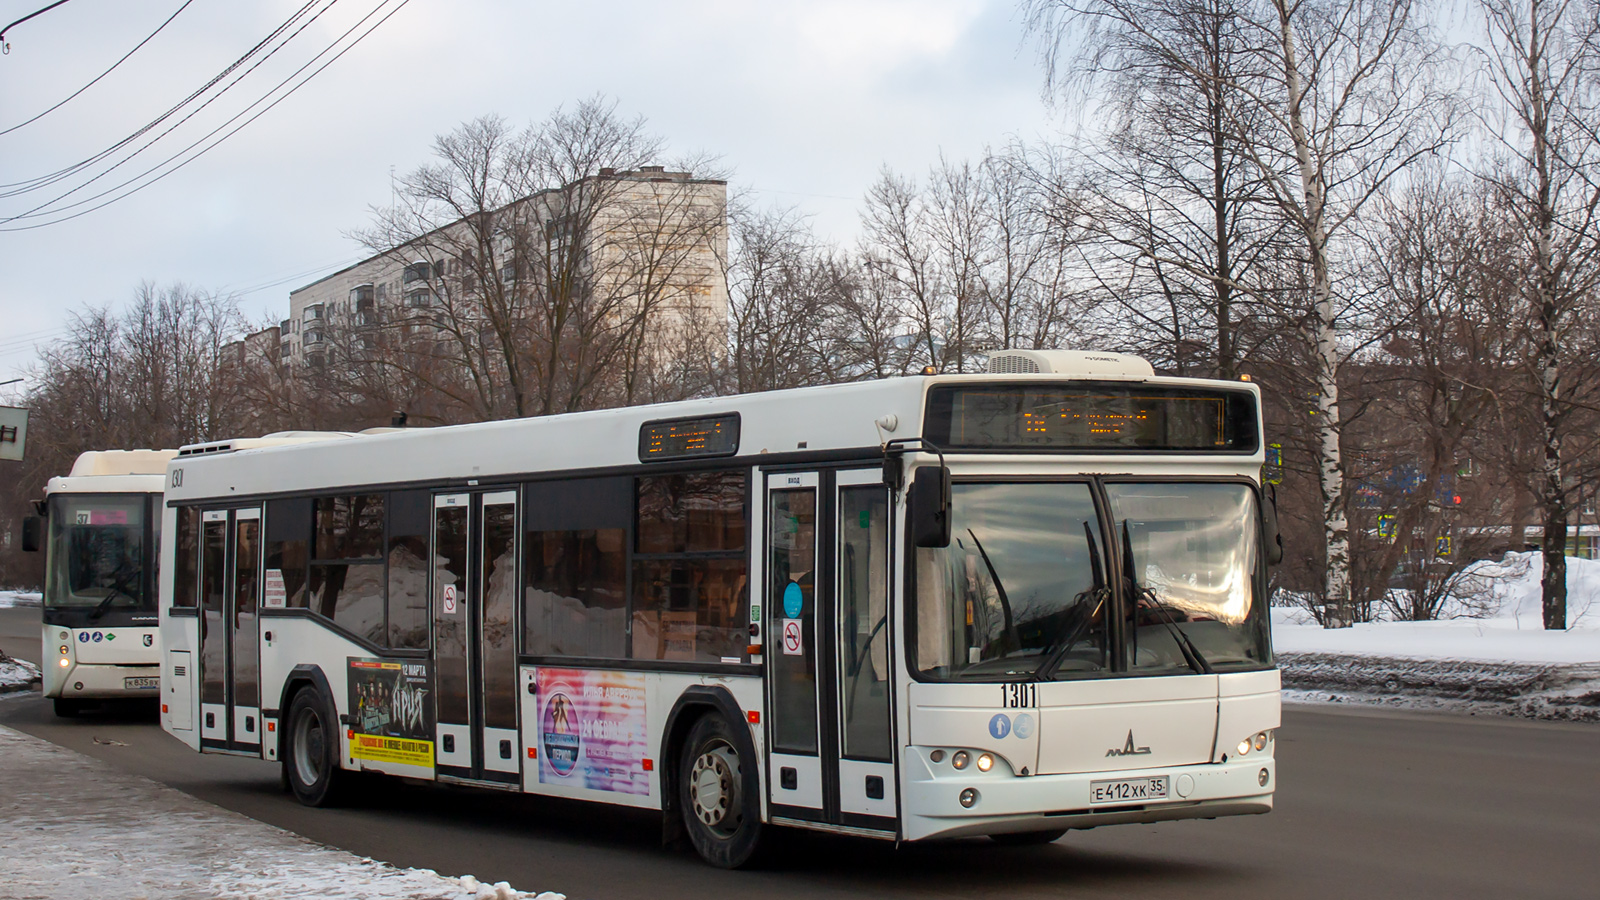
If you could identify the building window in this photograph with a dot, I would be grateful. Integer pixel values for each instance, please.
(417, 271)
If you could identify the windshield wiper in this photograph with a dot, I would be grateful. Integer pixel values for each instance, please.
(1098, 593)
(1191, 653)
(116, 587)
(1000, 590)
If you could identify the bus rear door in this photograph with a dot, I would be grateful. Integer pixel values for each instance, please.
(230, 635)
(474, 595)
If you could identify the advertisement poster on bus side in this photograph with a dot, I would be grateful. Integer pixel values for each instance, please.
(592, 729)
(391, 711)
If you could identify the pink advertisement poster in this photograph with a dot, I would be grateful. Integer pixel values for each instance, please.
(592, 730)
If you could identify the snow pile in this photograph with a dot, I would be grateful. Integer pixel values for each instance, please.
(1510, 632)
(16, 674)
(9, 599)
(71, 826)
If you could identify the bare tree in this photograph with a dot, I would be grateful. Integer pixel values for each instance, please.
(1543, 63)
(544, 262)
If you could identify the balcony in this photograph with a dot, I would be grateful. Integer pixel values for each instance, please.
(362, 297)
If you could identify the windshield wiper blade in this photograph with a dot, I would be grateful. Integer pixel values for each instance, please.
(1053, 659)
(1191, 654)
(116, 587)
(1000, 590)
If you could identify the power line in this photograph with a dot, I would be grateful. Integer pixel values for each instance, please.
(35, 212)
(26, 18)
(35, 183)
(97, 78)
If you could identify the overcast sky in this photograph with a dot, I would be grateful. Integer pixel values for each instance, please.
(804, 102)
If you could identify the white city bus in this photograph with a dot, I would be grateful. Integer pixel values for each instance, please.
(102, 528)
(923, 607)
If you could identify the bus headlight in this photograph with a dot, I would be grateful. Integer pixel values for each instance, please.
(65, 662)
(63, 649)
(985, 762)
(960, 759)
(1261, 741)
(1244, 746)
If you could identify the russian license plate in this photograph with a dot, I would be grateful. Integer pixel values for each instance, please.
(1129, 790)
(141, 683)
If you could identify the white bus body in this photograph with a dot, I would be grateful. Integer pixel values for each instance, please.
(723, 610)
(103, 527)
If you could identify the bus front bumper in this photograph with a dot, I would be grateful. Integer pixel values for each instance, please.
(1006, 803)
(100, 682)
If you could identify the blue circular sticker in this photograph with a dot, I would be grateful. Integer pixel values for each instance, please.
(999, 726)
(83, 637)
(793, 601)
(1023, 726)
(98, 637)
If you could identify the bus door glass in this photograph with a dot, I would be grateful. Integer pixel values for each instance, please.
(474, 635)
(230, 634)
(866, 744)
(828, 641)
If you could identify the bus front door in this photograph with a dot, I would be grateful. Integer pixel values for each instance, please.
(828, 640)
(474, 591)
(230, 634)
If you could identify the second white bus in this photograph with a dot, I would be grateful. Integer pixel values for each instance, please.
(1008, 604)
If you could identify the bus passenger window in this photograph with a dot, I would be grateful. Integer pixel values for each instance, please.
(575, 567)
(690, 576)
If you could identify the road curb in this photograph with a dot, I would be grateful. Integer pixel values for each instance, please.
(1533, 691)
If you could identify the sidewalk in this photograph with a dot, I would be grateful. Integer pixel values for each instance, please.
(72, 826)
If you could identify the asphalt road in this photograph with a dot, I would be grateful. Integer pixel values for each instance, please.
(1371, 804)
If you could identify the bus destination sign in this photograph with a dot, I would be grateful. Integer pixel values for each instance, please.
(1092, 417)
(689, 438)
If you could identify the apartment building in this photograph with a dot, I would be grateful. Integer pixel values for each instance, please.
(643, 239)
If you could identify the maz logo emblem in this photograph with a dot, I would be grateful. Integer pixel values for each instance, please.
(1128, 749)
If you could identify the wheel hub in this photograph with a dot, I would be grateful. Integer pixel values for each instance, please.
(714, 788)
(308, 748)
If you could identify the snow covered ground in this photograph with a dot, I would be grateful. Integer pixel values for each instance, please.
(1512, 631)
(9, 599)
(71, 826)
(16, 674)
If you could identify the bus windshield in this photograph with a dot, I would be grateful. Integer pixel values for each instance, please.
(1029, 586)
(96, 553)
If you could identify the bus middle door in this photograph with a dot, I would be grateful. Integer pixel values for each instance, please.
(474, 592)
(827, 575)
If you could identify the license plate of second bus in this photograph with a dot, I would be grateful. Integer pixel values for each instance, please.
(1131, 790)
(139, 683)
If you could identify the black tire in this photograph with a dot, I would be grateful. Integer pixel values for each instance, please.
(68, 709)
(1028, 838)
(311, 749)
(717, 791)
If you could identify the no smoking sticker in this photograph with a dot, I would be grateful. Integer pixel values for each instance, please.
(792, 643)
(449, 599)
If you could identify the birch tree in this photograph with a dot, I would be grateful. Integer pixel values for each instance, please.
(1543, 63)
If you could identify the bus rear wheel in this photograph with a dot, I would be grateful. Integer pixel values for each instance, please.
(1028, 838)
(311, 759)
(719, 808)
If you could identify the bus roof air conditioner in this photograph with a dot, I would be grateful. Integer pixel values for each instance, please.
(1077, 363)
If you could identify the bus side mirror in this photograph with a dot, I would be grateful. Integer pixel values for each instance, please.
(929, 500)
(1270, 534)
(32, 533)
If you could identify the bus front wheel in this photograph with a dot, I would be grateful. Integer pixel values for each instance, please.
(311, 759)
(720, 811)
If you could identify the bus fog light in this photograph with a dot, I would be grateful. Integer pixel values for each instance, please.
(985, 762)
(937, 756)
(65, 662)
(969, 798)
(960, 759)
(1261, 741)
(1262, 777)
(1244, 746)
